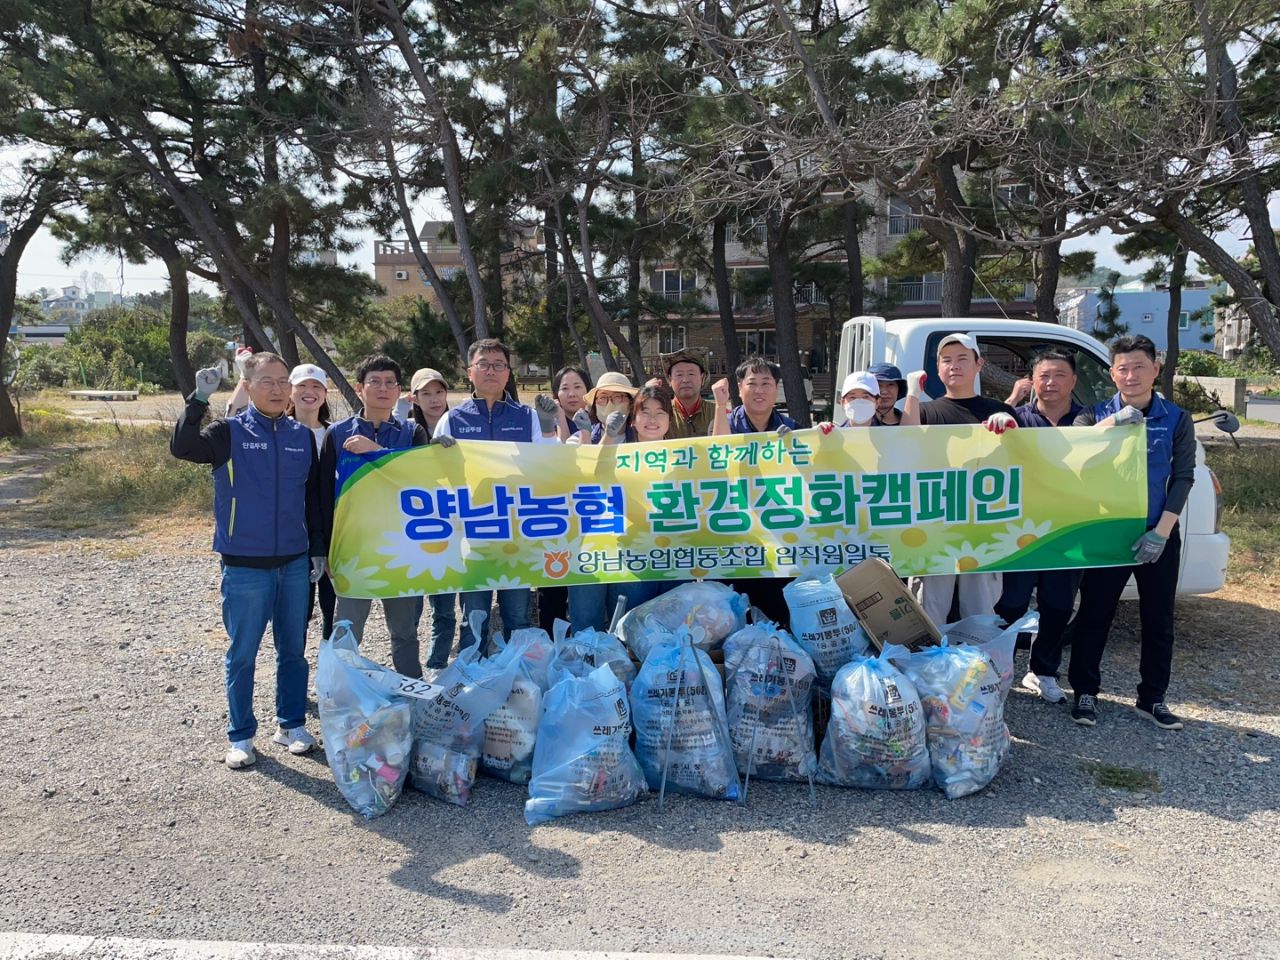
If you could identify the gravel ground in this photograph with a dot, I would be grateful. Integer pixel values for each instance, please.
(120, 819)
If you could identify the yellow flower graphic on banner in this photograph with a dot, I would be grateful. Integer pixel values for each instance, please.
(505, 583)
(965, 558)
(436, 558)
(1018, 536)
(351, 579)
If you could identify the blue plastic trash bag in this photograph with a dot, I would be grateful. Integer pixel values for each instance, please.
(823, 624)
(876, 737)
(711, 610)
(696, 750)
(448, 729)
(987, 632)
(959, 688)
(582, 762)
(511, 731)
(366, 723)
(582, 652)
(769, 683)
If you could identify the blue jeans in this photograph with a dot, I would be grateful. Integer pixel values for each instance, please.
(591, 605)
(250, 600)
(444, 627)
(513, 605)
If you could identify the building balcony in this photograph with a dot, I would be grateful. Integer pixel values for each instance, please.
(900, 224)
(399, 252)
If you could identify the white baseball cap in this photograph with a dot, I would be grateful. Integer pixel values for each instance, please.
(307, 371)
(966, 340)
(860, 380)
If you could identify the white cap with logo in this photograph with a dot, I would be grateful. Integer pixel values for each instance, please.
(307, 371)
(966, 340)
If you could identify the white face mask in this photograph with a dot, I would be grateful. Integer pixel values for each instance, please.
(860, 411)
(604, 409)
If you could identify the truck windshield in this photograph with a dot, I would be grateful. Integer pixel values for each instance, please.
(1009, 359)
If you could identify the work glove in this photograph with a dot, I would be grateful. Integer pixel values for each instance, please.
(1128, 415)
(1148, 547)
(998, 423)
(916, 380)
(826, 426)
(208, 381)
(546, 409)
(317, 569)
(616, 423)
(445, 441)
(783, 430)
(582, 420)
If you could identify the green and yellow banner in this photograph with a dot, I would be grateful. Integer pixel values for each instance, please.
(491, 515)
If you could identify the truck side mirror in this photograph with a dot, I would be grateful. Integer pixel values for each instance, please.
(1225, 420)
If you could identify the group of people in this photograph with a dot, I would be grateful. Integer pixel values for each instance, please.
(275, 468)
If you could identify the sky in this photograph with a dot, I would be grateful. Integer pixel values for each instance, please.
(42, 264)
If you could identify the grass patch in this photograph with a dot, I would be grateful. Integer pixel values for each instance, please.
(47, 428)
(1250, 478)
(1112, 777)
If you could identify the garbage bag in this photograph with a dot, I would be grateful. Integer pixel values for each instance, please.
(712, 611)
(988, 633)
(769, 690)
(511, 731)
(585, 650)
(823, 624)
(582, 761)
(959, 688)
(678, 709)
(366, 723)
(448, 729)
(876, 737)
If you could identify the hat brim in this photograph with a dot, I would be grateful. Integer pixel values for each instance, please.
(590, 397)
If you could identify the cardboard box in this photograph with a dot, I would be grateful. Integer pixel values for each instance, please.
(885, 607)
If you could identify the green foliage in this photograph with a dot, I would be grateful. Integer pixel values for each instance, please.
(42, 365)
(1108, 325)
(1194, 398)
(121, 347)
(408, 331)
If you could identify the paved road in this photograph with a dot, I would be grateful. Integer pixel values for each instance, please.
(1264, 408)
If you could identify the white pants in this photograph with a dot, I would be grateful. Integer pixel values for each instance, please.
(978, 594)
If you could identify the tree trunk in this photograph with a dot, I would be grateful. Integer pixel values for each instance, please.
(635, 246)
(595, 309)
(179, 314)
(1177, 274)
(1262, 313)
(784, 317)
(1050, 269)
(551, 259)
(724, 304)
(289, 348)
(569, 317)
(853, 258)
(959, 247)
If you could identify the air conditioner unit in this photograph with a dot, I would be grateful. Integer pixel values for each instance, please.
(402, 274)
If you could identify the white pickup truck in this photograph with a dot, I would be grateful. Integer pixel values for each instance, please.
(1008, 345)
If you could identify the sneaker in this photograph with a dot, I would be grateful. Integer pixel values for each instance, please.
(1085, 712)
(240, 754)
(1047, 687)
(1159, 714)
(296, 739)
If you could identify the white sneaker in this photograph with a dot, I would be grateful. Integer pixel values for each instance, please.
(240, 754)
(1047, 687)
(296, 739)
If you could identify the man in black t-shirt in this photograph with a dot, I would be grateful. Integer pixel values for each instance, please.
(959, 362)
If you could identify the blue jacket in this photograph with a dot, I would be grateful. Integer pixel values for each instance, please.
(474, 419)
(739, 422)
(336, 464)
(1164, 420)
(259, 494)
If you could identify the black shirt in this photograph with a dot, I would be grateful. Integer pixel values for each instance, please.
(946, 411)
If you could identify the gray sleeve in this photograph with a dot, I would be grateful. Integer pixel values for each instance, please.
(1184, 465)
(1085, 418)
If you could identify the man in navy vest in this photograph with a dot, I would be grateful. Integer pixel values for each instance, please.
(1171, 463)
(266, 508)
(490, 414)
(1053, 377)
(373, 430)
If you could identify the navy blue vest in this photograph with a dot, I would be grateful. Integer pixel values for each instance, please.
(474, 419)
(739, 422)
(1162, 423)
(259, 495)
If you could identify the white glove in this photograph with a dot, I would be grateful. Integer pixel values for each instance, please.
(317, 569)
(208, 381)
(916, 380)
(998, 423)
(546, 409)
(616, 423)
(582, 420)
(1128, 415)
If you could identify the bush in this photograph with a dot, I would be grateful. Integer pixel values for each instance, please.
(1198, 363)
(1193, 398)
(41, 366)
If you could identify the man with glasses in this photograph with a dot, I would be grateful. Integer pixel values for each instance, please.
(374, 429)
(267, 522)
(490, 414)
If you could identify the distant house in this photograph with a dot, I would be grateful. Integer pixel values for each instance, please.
(1144, 309)
(71, 300)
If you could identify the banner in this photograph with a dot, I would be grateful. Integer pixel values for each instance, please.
(495, 516)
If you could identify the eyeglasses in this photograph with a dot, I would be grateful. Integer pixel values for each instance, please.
(496, 367)
(382, 384)
(281, 384)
